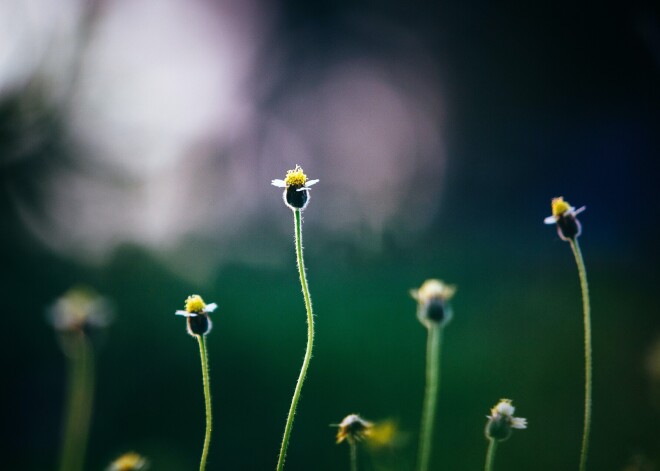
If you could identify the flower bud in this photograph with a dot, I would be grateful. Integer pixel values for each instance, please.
(501, 421)
(432, 302)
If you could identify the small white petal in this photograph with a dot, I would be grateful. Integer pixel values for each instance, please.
(185, 313)
(578, 211)
(312, 182)
(518, 422)
(303, 189)
(278, 183)
(211, 307)
(505, 408)
(550, 220)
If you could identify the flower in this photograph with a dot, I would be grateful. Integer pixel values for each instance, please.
(563, 214)
(353, 429)
(296, 188)
(501, 421)
(128, 462)
(432, 302)
(197, 314)
(80, 309)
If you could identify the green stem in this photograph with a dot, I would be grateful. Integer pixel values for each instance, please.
(201, 339)
(490, 456)
(582, 271)
(430, 397)
(353, 447)
(80, 392)
(310, 340)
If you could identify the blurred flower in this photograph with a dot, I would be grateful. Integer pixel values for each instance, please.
(128, 462)
(432, 302)
(353, 429)
(563, 214)
(501, 421)
(296, 193)
(197, 311)
(80, 309)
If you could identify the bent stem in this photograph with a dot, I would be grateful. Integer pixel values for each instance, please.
(490, 456)
(310, 339)
(80, 392)
(431, 394)
(201, 339)
(582, 271)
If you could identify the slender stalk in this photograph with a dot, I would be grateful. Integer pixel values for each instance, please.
(353, 447)
(201, 339)
(80, 392)
(582, 271)
(490, 456)
(430, 397)
(310, 340)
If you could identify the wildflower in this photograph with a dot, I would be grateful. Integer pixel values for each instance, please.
(128, 462)
(80, 309)
(563, 214)
(353, 429)
(296, 188)
(432, 305)
(501, 421)
(197, 314)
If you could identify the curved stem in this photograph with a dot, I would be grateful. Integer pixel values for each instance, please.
(582, 271)
(490, 456)
(310, 339)
(353, 447)
(430, 396)
(79, 403)
(207, 399)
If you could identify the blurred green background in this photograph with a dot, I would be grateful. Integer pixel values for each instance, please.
(538, 101)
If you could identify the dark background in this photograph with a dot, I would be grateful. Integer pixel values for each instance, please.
(543, 99)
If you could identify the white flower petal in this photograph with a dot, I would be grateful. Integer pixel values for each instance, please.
(578, 211)
(185, 313)
(518, 422)
(303, 189)
(550, 220)
(211, 307)
(278, 183)
(312, 182)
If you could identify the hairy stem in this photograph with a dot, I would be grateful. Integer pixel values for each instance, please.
(201, 339)
(582, 271)
(79, 402)
(490, 456)
(310, 340)
(430, 397)
(353, 447)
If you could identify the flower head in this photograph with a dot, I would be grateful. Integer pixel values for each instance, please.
(128, 462)
(563, 214)
(432, 302)
(80, 309)
(353, 429)
(296, 188)
(197, 313)
(501, 421)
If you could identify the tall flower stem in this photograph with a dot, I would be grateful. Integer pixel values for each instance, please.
(430, 397)
(353, 449)
(201, 339)
(490, 456)
(582, 271)
(310, 339)
(80, 392)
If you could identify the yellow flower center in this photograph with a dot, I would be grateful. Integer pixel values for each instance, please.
(195, 304)
(434, 289)
(128, 462)
(295, 177)
(559, 206)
